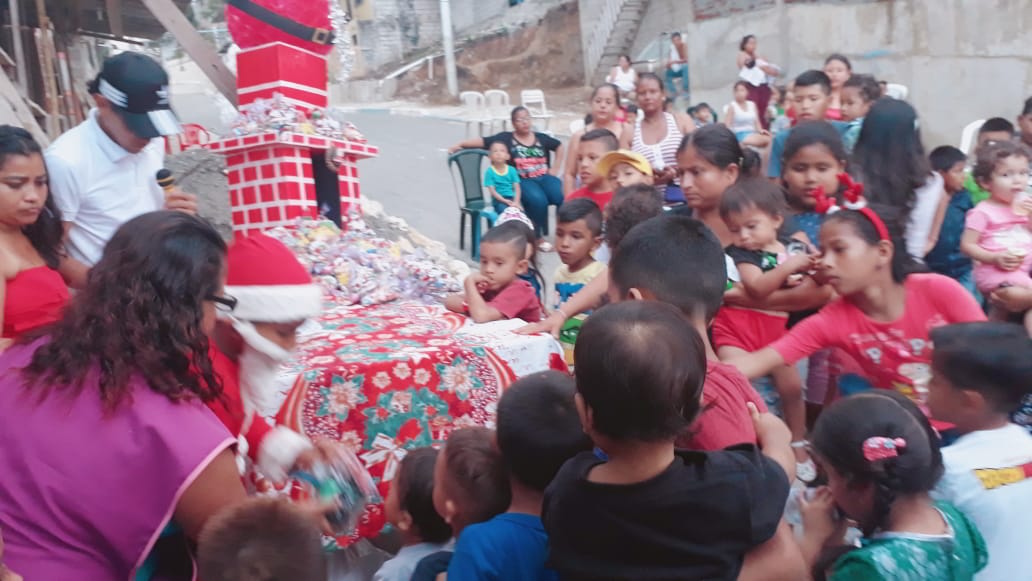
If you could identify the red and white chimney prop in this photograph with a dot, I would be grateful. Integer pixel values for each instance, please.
(271, 173)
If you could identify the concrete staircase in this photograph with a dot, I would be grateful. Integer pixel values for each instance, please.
(620, 40)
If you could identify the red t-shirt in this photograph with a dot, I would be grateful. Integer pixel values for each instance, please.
(724, 420)
(600, 198)
(894, 355)
(516, 301)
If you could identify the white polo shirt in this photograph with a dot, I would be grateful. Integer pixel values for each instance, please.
(98, 185)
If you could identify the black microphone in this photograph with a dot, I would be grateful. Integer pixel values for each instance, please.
(165, 180)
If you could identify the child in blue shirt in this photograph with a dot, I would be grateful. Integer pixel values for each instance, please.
(537, 431)
(945, 257)
(501, 179)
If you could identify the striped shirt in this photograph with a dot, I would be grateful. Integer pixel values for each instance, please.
(664, 153)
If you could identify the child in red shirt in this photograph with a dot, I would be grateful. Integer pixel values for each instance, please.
(678, 260)
(883, 316)
(496, 292)
(592, 147)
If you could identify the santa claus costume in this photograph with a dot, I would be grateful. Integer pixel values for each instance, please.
(270, 286)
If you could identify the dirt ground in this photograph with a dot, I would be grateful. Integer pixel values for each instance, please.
(543, 55)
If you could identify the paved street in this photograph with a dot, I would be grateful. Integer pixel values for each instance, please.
(410, 177)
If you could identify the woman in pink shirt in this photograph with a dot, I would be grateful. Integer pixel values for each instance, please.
(883, 316)
(105, 438)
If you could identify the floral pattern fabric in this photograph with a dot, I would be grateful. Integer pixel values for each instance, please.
(388, 378)
(955, 556)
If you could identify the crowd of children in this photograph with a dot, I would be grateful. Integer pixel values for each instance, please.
(862, 263)
(858, 278)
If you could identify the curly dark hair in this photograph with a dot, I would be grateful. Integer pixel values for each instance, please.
(631, 205)
(46, 232)
(140, 314)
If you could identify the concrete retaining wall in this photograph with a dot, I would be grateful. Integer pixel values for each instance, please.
(388, 30)
(961, 59)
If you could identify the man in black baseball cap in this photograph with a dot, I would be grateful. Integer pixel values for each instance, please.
(134, 88)
(102, 171)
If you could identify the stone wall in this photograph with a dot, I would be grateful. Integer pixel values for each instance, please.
(961, 59)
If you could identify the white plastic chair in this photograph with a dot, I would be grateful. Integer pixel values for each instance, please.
(498, 106)
(968, 135)
(576, 125)
(897, 91)
(534, 101)
(475, 110)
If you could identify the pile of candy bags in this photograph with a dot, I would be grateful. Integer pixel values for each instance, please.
(279, 115)
(359, 267)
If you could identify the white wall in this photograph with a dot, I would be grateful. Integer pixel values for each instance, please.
(961, 59)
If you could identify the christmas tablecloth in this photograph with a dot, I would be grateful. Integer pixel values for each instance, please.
(388, 378)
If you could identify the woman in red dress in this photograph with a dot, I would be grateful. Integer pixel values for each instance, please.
(31, 290)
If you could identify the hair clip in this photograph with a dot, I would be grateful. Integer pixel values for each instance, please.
(853, 199)
(853, 193)
(822, 203)
(881, 448)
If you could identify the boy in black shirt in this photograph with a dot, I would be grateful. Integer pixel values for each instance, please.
(650, 511)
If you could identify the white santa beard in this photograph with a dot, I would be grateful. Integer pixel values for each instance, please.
(260, 363)
(258, 374)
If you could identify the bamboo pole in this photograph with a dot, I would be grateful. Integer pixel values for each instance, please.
(19, 48)
(43, 44)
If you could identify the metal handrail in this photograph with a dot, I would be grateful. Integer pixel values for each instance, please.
(428, 60)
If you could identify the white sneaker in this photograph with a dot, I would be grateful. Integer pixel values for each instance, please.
(806, 471)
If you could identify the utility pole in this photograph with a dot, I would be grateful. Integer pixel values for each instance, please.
(449, 48)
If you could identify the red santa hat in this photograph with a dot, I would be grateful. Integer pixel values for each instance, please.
(269, 283)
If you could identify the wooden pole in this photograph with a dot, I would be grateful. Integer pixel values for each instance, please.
(19, 49)
(199, 50)
(15, 110)
(46, 63)
(114, 17)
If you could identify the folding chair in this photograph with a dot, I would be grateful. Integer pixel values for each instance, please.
(498, 107)
(471, 199)
(968, 135)
(475, 110)
(534, 101)
(897, 91)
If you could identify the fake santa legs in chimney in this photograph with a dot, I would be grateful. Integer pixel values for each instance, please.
(274, 294)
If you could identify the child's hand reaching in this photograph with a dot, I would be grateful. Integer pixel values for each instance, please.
(774, 439)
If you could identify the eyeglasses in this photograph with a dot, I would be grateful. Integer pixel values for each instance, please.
(225, 303)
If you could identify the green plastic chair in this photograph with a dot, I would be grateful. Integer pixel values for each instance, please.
(471, 197)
